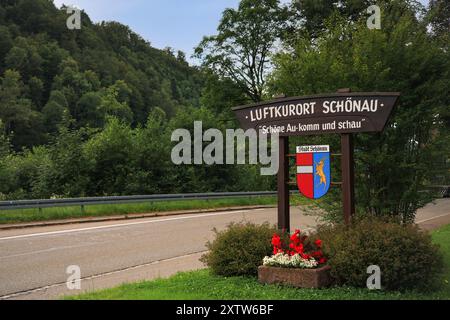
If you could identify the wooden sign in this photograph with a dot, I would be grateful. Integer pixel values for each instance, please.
(343, 113)
(312, 115)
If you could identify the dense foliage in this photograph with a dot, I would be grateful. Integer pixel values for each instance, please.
(393, 168)
(51, 74)
(239, 249)
(405, 254)
(246, 39)
(90, 112)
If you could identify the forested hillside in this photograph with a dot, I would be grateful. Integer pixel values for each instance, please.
(91, 111)
(52, 74)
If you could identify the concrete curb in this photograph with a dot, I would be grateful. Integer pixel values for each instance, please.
(125, 217)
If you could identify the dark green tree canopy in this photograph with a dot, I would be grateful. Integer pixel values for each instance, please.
(35, 42)
(246, 38)
(90, 112)
(393, 168)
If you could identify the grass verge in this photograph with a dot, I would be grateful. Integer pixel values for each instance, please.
(202, 285)
(59, 213)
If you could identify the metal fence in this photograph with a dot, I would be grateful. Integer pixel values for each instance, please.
(444, 191)
(27, 204)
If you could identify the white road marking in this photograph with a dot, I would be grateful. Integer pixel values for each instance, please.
(13, 295)
(425, 220)
(48, 250)
(124, 224)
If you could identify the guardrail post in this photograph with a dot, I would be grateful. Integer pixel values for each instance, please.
(82, 210)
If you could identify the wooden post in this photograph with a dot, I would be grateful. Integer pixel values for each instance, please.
(283, 187)
(348, 177)
(348, 172)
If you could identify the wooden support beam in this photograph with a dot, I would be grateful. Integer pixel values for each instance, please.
(283, 189)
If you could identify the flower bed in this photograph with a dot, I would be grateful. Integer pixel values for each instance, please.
(296, 277)
(300, 263)
(298, 253)
(287, 261)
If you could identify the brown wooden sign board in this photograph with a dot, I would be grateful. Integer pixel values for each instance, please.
(341, 113)
(312, 115)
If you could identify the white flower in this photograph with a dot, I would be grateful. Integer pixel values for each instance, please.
(284, 260)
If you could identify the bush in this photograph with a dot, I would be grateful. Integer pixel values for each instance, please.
(239, 249)
(405, 254)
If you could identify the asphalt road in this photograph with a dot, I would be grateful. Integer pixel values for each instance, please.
(33, 261)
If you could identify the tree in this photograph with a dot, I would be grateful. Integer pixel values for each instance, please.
(6, 43)
(241, 49)
(25, 58)
(72, 82)
(313, 14)
(181, 56)
(393, 168)
(66, 174)
(20, 121)
(35, 91)
(154, 171)
(87, 111)
(4, 142)
(109, 153)
(54, 111)
(114, 102)
(20, 174)
(439, 18)
(220, 95)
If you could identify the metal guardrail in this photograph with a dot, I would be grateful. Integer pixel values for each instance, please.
(46, 203)
(443, 190)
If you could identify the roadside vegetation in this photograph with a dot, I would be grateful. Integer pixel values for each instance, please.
(204, 285)
(91, 112)
(105, 210)
(60, 213)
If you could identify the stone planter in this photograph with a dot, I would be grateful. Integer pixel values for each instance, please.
(301, 278)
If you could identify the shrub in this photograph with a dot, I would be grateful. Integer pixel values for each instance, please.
(405, 254)
(239, 249)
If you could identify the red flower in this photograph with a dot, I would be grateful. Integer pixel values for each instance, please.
(295, 238)
(276, 241)
(296, 246)
(299, 248)
(305, 256)
(318, 243)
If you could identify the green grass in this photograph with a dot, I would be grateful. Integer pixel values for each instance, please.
(202, 285)
(61, 213)
(30, 215)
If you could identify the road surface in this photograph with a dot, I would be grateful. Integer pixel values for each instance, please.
(33, 261)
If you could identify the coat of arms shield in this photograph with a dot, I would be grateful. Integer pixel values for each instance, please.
(313, 170)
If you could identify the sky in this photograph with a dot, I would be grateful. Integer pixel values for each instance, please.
(180, 24)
